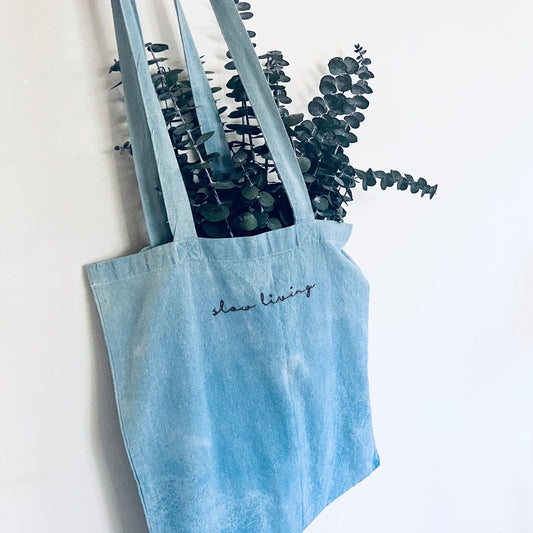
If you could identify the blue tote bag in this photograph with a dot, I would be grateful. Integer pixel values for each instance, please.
(239, 364)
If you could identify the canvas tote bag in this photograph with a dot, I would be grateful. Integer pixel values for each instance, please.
(239, 364)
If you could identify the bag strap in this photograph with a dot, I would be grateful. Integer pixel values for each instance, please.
(206, 109)
(261, 99)
(264, 106)
(168, 213)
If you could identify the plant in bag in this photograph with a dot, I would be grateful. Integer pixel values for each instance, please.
(239, 364)
(251, 199)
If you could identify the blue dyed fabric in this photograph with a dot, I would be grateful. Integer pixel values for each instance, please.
(239, 364)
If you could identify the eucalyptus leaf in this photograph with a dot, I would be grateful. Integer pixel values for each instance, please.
(361, 102)
(343, 82)
(203, 138)
(171, 76)
(317, 107)
(215, 231)
(198, 166)
(352, 66)
(214, 213)
(262, 218)
(157, 47)
(274, 223)
(184, 127)
(352, 120)
(402, 184)
(244, 129)
(293, 120)
(247, 221)
(305, 164)
(364, 74)
(369, 179)
(359, 88)
(240, 157)
(349, 106)
(164, 95)
(320, 203)
(342, 141)
(350, 137)
(169, 113)
(250, 192)
(335, 101)
(261, 149)
(265, 199)
(337, 66)
(327, 85)
(282, 98)
(157, 60)
(242, 112)
(223, 184)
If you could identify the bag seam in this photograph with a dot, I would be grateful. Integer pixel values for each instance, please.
(156, 269)
(119, 411)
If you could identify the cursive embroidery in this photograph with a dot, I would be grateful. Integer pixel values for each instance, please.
(264, 301)
(307, 292)
(231, 309)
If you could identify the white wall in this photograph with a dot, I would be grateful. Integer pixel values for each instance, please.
(451, 342)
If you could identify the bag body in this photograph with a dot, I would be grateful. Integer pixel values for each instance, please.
(239, 364)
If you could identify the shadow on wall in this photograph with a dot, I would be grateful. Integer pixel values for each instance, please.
(119, 486)
(124, 507)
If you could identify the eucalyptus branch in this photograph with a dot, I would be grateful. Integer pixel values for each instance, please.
(246, 202)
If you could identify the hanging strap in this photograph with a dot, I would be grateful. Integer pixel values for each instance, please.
(264, 106)
(168, 214)
(206, 109)
(261, 99)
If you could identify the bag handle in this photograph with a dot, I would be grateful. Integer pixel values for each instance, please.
(261, 99)
(265, 109)
(168, 213)
(206, 109)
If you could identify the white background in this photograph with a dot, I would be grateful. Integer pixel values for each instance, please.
(451, 343)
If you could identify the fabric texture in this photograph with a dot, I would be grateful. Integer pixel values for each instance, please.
(239, 364)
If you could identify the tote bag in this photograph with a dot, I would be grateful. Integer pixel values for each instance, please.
(239, 364)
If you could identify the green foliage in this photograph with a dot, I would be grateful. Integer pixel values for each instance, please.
(252, 199)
